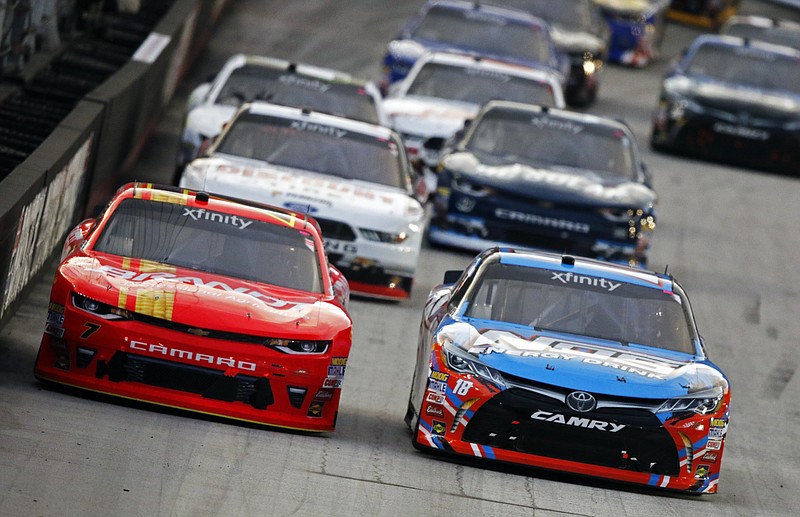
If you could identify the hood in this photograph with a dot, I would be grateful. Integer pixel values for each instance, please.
(428, 117)
(735, 97)
(320, 195)
(208, 119)
(197, 298)
(573, 186)
(591, 365)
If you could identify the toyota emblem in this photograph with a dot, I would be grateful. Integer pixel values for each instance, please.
(581, 401)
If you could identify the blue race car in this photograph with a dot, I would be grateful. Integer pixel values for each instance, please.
(474, 29)
(732, 100)
(569, 364)
(637, 29)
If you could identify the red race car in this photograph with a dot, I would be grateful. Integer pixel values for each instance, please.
(208, 304)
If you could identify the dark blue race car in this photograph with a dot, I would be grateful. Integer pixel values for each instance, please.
(537, 177)
(732, 100)
(475, 29)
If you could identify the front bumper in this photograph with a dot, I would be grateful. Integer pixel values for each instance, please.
(757, 144)
(152, 364)
(519, 426)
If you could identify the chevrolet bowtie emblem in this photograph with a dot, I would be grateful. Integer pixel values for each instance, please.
(198, 332)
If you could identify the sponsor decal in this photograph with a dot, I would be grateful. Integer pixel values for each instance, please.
(702, 471)
(53, 330)
(714, 445)
(437, 386)
(187, 355)
(299, 207)
(499, 342)
(741, 131)
(324, 394)
(439, 376)
(603, 283)
(716, 433)
(540, 220)
(315, 409)
(330, 382)
(434, 410)
(587, 423)
(710, 457)
(55, 318)
(489, 74)
(435, 398)
(216, 217)
(56, 307)
(336, 246)
(338, 361)
(336, 371)
(438, 428)
(135, 276)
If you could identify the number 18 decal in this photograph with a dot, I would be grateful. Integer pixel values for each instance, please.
(462, 387)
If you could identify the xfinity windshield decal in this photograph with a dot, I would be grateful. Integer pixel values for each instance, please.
(488, 74)
(603, 283)
(310, 127)
(217, 217)
(500, 342)
(303, 82)
(558, 125)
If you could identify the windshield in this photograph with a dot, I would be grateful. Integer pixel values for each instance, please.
(315, 147)
(747, 66)
(478, 86)
(789, 37)
(254, 82)
(485, 33)
(576, 14)
(214, 242)
(540, 140)
(581, 305)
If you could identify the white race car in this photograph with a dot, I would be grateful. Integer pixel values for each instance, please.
(443, 91)
(246, 78)
(354, 178)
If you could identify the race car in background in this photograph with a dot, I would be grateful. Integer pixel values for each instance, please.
(543, 178)
(353, 177)
(771, 30)
(244, 78)
(637, 29)
(579, 30)
(186, 300)
(473, 28)
(702, 13)
(569, 364)
(732, 100)
(443, 91)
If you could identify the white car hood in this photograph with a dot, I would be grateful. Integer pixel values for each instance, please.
(428, 117)
(357, 202)
(208, 119)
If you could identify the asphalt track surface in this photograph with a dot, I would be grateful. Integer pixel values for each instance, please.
(728, 234)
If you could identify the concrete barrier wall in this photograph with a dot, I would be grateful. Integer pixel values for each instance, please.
(80, 163)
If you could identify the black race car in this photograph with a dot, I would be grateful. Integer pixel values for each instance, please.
(544, 178)
(732, 100)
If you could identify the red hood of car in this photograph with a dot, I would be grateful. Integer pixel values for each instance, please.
(201, 299)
